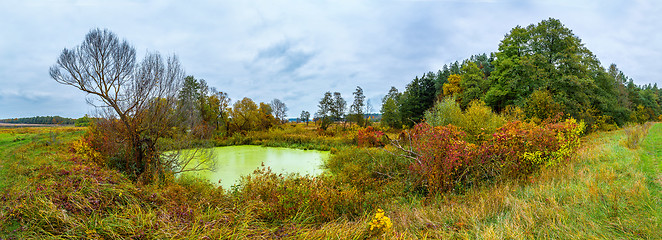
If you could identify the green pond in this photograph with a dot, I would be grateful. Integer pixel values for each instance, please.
(235, 161)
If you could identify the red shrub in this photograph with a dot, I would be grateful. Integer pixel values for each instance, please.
(443, 160)
(443, 156)
(370, 137)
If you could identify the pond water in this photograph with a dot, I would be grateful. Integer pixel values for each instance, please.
(232, 162)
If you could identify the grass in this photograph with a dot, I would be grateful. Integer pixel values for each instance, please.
(22, 148)
(635, 134)
(609, 191)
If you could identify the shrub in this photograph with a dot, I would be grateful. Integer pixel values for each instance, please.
(443, 161)
(370, 137)
(366, 168)
(541, 105)
(84, 148)
(478, 121)
(442, 156)
(379, 224)
(444, 112)
(512, 113)
(522, 148)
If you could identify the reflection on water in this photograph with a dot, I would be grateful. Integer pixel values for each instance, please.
(235, 161)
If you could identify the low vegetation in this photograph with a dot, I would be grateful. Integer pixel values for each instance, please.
(607, 191)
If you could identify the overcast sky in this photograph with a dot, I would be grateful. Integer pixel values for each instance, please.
(297, 50)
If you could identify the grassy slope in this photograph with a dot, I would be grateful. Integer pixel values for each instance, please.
(22, 148)
(609, 192)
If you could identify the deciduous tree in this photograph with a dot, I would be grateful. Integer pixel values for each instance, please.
(390, 109)
(138, 99)
(305, 116)
(279, 109)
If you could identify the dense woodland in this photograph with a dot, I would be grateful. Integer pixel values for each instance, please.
(541, 70)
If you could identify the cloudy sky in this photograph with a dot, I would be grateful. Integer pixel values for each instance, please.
(297, 50)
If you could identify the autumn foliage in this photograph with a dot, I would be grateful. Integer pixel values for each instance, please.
(444, 161)
(370, 137)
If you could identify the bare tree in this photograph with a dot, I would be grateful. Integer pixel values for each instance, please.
(138, 99)
(368, 111)
(280, 109)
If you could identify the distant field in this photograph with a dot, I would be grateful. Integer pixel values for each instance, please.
(28, 125)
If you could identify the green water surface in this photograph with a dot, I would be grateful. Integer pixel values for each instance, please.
(235, 161)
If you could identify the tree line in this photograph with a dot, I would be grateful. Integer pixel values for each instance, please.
(211, 112)
(333, 108)
(41, 120)
(542, 70)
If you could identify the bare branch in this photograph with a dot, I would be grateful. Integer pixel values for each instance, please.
(142, 95)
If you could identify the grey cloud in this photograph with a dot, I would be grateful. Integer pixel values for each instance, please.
(297, 50)
(284, 56)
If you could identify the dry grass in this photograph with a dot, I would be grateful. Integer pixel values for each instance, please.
(608, 192)
(602, 194)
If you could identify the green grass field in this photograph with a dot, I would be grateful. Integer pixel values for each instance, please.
(609, 191)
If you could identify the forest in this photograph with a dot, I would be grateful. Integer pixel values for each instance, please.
(539, 71)
(537, 140)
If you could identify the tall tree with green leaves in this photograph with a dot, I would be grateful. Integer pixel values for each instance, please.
(390, 109)
(305, 116)
(546, 56)
(418, 97)
(356, 109)
(338, 107)
(473, 84)
(187, 106)
(324, 114)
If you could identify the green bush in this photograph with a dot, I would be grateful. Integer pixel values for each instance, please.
(480, 122)
(444, 112)
(477, 121)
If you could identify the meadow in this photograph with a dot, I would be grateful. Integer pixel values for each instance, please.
(609, 189)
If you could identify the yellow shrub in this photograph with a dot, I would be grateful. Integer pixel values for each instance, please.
(380, 223)
(86, 151)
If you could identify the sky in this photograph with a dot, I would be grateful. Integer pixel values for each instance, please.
(297, 50)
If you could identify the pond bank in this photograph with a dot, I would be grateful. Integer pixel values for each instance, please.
(232, 162)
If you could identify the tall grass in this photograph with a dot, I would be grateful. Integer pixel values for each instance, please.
(634, 134)
(605, 193)
(608, 191)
